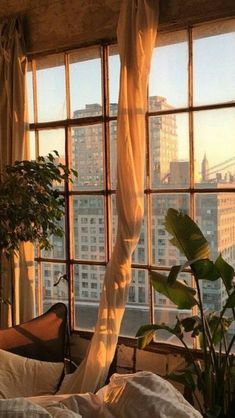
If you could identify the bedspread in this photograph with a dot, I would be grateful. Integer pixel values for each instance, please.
(126, 396)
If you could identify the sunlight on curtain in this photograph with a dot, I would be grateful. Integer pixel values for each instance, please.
(18, 273)
(136, 37)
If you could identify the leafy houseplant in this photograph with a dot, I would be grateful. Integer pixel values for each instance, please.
(211, 374)
(31, 206)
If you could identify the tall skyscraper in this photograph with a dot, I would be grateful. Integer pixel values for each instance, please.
(215, 213)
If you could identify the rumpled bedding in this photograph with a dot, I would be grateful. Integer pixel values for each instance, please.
(141, 394)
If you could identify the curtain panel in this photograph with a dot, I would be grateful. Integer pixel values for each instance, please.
(137, 30)
(17, 273)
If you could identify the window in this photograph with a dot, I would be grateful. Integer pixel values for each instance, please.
(191, 115)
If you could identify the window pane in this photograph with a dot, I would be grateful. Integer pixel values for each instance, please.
(169, 138)
(169, 70)
(214, 148)
(58, 250)
(114, 220)
(51, 88)
(85, 83)
(87, 157)
(166, 312)
(137, 308)
(139, 256)
(113, 159)
(163, 252)
(215, 214)
(50, 140)
(88, 286)
(32, 142)
(114, 74)
(29, 81)
(214, 62)
(89, 228)
(51, 273)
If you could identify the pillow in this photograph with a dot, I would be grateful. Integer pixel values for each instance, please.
(22, 377)
(21, 408)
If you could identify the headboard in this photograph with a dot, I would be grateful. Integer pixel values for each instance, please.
(42, 338)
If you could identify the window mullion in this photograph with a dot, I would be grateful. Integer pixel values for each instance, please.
(69, 230)
(191, 150)
(148, 220)
(106, 150)
(35, 113)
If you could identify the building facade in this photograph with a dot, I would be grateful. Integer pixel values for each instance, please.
(215, 214)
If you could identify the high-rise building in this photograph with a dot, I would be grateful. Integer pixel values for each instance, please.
(215, 213)
(163, 134)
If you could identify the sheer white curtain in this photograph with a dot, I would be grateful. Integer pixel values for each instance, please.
(137, 30)
(17, 273)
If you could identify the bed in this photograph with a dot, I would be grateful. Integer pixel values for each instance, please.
(32, 368)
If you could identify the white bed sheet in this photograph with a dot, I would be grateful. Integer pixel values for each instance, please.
(141, 394)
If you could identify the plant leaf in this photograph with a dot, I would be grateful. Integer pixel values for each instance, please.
(205, 270)
(221, 327)
(175, 270)
(178, 292)
(213, 412)
(184, 377)
(192, 324)
(231, 300)
(146, 333)
(226, 271)
(187, 236)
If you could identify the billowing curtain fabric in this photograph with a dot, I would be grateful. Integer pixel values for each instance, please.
(136, 37)
(17, 273)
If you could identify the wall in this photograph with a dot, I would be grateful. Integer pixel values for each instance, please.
(58, 24)
(129, 359)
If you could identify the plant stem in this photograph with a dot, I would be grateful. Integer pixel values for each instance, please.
(198, 402)
(228, 293)
(197, 370)
(211, 345)
(200, 305)
(230, 345)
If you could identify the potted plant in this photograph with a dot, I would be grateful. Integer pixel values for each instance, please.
(210, 372)
(31, 206)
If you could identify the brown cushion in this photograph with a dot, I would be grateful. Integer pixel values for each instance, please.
(42, 338)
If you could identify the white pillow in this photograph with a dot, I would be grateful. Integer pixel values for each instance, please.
(22, 377)
(21, 408)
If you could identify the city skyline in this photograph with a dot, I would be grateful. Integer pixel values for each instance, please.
(215, 213)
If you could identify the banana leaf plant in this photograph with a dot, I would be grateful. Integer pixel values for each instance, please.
(210, 375)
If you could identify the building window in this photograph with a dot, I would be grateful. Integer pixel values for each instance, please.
(190, 118)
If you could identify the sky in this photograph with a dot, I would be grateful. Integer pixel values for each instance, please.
(213, 81)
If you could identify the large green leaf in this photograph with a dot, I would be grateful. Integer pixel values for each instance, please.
(218, 326)
(226, 271)
(187, 236)
(205, 270)
(213, 412)
(172, 276)
(192, 324)
(178, 292)
(146, 333)
(231, 300)
(185, 377)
